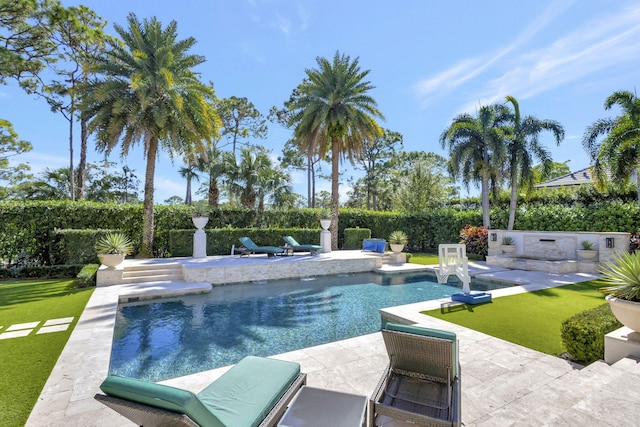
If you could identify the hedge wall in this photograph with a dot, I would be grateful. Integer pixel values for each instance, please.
(41, 230)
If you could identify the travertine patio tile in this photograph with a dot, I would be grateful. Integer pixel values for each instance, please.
(18, 326)
(60, 321)
(15, 334)
(50, 329)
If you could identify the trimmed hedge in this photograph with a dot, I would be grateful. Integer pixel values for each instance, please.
(87, 276)
(353, 237)
(220, 241)
(583, 333)
(41, 230)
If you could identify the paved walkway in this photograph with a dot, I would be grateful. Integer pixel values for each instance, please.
(503, 383)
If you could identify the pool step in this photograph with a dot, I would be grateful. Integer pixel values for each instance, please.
(152, 273)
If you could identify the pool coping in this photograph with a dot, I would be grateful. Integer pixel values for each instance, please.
(67, 397)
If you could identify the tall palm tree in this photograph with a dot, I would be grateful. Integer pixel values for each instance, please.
(335, 112)
(477, 148)
(212, 165)
(147, 92)
(190, 173)
(523, 147)
(243, 174)
(619, 151)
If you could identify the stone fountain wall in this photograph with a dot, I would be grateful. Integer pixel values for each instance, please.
(554, 251)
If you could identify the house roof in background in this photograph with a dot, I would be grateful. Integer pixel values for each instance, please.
(583, 176)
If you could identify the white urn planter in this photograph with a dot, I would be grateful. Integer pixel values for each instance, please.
(200, 221)
(508, 249)
(627, 312)
(111, 260)
(325, 223)
(396, 248)
(587, 255)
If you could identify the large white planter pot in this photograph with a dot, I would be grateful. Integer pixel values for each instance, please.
(587, 255)
(325, 223)
(111, 260)
(200, 221)
(627, 312)
(396, 247)
(508, 249)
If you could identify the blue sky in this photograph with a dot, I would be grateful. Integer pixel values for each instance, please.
(428, 60)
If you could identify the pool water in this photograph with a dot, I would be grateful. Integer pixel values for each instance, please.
(166, 338)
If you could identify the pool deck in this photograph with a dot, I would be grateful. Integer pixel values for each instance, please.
(502, 383)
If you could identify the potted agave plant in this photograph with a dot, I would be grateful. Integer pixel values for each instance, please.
(588, 251)
(112, 248)
(621, 275)
(508, 245)
(200, 215)
(397, 240)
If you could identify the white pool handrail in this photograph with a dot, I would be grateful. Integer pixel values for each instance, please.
(453, 260)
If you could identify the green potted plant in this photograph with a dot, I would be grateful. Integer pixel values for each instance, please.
(397, 240)
(200, 214)
(112, 248)
(508, 245)
(588, 251)
(621, 277)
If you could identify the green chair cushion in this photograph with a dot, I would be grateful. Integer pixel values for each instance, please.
(160, 396)
(428, 332)
(246, 393)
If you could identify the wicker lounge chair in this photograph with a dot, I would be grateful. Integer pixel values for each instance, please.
(255, 392)
(249, 247)
(297, 247)
(422, 382)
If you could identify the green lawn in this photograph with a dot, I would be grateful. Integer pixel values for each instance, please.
(532, 319)
(425, 259)
(28, 361)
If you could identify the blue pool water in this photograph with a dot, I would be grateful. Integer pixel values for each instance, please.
(167, 338)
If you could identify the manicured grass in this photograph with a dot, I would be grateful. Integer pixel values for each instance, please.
(425, 259)
(532, 319)
(28, 361)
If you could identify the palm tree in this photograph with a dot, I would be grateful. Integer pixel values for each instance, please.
(243, 174)
(189, 172)
(148, 93)
(212, 165)
(619, 151)
(334, 112)
(477, 147)
(523, 147)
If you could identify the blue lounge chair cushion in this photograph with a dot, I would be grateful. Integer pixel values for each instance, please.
(160, 396)
(245, 394)
(250, 244)
(428, 332)
(295, 245)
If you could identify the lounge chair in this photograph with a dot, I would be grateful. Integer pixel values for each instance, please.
(297, 247)
(249, 247)
(255, 392)
(422, 382)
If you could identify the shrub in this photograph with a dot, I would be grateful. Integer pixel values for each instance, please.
(87, 276)
(353, 237)
(583, 333)
(475, 239)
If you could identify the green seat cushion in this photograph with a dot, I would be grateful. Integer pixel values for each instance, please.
(428, 332)
(160, 396)
(246, 393)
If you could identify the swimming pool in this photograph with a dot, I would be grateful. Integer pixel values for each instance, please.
(166, 338)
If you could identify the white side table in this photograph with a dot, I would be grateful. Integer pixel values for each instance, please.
(316, 407)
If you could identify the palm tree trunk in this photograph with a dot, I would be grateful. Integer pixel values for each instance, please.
(146, 249)
(214, 191)
(72, 187)
(335, 190)
(638, 184)
(486, 222)
(514, 196)
(82, 164)
(309, 188)
(187, 198)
